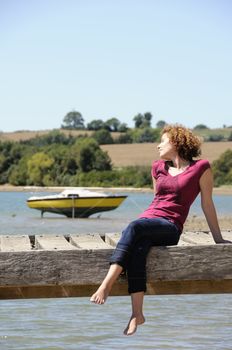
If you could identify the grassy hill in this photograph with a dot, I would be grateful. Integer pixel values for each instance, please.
(22, 135)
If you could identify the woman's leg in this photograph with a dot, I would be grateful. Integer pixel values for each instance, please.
(137, 317)
(100, 296)
(119, 261)
(136, 268)
(141, 233)
(165, 234)
(136, 274)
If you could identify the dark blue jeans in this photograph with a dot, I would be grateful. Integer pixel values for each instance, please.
(135, 243)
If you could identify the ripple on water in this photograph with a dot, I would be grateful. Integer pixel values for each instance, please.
(195, 322)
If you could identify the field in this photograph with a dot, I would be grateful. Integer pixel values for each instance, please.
(24, 135)
(144, 153)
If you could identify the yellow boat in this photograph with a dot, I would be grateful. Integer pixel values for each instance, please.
(77, 203)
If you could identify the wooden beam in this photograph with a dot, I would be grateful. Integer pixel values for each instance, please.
(68, 268)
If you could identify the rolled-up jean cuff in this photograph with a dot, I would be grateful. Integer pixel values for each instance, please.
(138, 286)
(120, 256)
(118, 261)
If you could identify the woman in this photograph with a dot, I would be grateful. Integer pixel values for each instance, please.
(177, 180)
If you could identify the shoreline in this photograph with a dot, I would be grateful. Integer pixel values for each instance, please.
(198, 223)
(223, 190)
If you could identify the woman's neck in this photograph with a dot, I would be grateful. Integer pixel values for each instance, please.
(179, 163)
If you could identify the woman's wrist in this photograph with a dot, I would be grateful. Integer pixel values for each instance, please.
(217, 236)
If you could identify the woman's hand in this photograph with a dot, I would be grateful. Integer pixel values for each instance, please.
(224, 241)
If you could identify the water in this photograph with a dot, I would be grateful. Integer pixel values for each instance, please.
(196, 322)
(17, 218)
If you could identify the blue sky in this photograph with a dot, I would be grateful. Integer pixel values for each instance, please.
(118, 58)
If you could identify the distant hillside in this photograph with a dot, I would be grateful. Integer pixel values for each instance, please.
(21, 135)
(144, 153)
(133, 154)
(28, 134)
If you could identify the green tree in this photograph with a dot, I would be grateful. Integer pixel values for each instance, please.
(89, 155)
(18, 175)
(103, 137)
(3, 161)
(39, 166)
(138, 119)
(161, 124)
(64, 162)
(200, 126)
(143, 120)
(96, 124)
(112, 124)
(102, 161)
(145, 135)
(147, 120)
(123, 127)
(73, 120)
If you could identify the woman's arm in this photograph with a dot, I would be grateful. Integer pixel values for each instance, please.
(206, 185)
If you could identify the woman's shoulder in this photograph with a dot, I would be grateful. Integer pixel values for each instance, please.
(201, 165)
(157, 166)
(157, 163)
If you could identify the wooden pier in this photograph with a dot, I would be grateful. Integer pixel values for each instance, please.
(44, 266)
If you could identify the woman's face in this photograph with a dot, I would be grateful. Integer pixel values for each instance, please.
(166, 148)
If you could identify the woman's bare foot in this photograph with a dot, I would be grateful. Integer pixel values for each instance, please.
(100, 296)
(133, 323)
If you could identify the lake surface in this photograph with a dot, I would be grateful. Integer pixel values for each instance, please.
(17, 218)
(196, 322)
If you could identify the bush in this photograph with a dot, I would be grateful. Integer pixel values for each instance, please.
(145, 135)
(103, 137)
(215, 137)
(200, 126)
(90, 156)
(230, 137)
(125, 177)
(222, 169)
(124, 138)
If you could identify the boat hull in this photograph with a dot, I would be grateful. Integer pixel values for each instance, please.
(79, 207)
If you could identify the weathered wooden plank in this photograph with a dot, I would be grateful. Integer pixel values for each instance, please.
(112, 238)
(203, 262)
(119, 289)
(190, 287)
(90, 241)
(187, 238)
(195, 238)
(170, 270)
(183, 243)
(48, 267)
(10, 243)
(53, 291)
(227, 235)
(51, 242)
(57, 268)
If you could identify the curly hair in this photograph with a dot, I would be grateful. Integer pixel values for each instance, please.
(187, 144)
